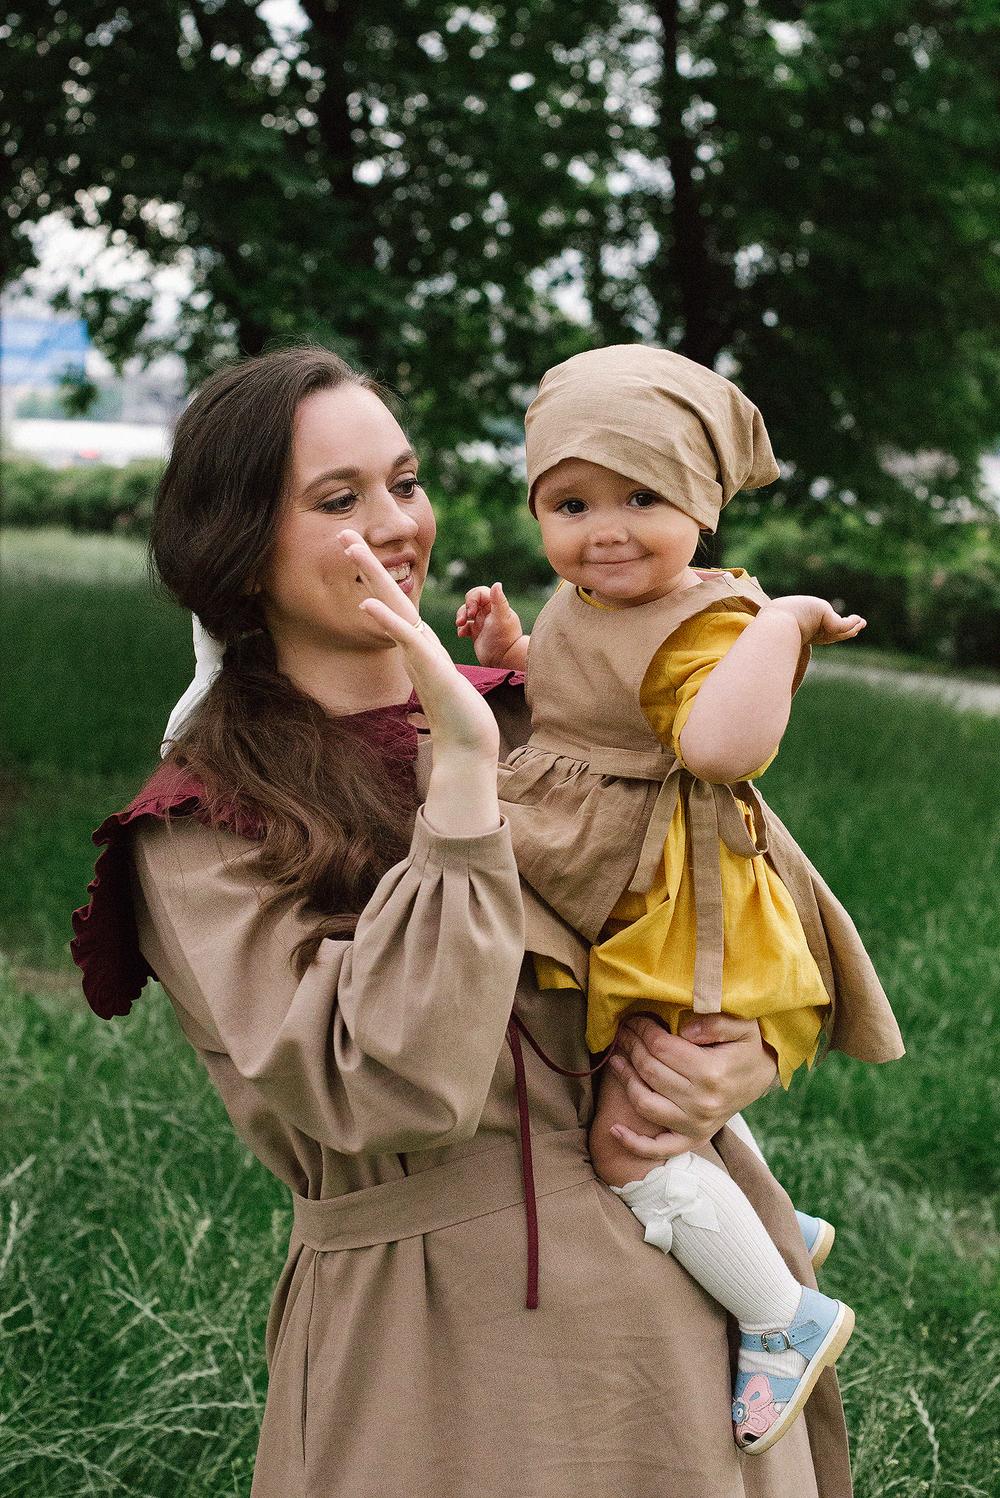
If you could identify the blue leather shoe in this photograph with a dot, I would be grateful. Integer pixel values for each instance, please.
(818, 1235)
(764, 1405)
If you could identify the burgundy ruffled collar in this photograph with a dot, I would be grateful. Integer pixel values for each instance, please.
(105, 943)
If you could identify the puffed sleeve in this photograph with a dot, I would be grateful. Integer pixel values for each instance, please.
(389, 1042)
(680, 668)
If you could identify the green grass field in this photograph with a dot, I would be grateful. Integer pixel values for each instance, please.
(139, 1240)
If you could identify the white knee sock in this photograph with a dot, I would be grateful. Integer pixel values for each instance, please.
(741, 1129)
(693, 1209)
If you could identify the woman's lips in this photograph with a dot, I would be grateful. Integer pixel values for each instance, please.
(402, 575)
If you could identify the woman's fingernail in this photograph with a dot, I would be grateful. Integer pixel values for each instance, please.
(617, 1063)
(694, 1029)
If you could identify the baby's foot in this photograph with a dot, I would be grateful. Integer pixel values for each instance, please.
(818, 1235)
(777, 1370)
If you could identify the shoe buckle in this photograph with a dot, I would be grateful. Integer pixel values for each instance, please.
(775, 1341)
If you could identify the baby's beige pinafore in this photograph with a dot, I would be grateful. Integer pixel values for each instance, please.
(591, 795)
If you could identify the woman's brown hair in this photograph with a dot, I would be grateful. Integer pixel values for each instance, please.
(331, 810)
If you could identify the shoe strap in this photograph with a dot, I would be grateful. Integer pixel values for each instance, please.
(781, 1341)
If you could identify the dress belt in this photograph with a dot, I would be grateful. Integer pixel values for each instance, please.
(473, 1186)
(429, 1200)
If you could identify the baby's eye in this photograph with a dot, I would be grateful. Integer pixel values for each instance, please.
(571, 507)
(338, 505)
(643, 499)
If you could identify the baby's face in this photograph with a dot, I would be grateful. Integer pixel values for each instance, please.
(603, 532)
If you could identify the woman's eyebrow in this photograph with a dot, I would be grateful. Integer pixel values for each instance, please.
(354, 473)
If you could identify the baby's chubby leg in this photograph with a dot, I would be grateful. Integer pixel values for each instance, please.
(613, 1163)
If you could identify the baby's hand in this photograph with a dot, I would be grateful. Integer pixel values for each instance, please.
(818, 621)
(487, 619)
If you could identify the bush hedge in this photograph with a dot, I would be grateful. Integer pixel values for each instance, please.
(941, 603)
(92, 497)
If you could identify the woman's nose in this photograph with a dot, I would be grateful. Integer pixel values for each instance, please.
(390, 521)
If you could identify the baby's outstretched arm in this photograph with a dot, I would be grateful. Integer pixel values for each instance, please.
(741, 712)
(487, 619)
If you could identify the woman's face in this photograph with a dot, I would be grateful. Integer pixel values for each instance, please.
(351, 465)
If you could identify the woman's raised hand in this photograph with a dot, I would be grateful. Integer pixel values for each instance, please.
(462, 794)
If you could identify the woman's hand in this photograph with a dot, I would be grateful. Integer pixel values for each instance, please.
(487, 619)
(687, 1086)
(818, 621)
(462, 792)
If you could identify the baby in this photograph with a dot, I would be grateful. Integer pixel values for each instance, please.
(658, 692)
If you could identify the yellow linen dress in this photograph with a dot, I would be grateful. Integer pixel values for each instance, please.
(646, 960)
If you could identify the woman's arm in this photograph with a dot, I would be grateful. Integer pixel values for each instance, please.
(387, 1043)
(741, 711)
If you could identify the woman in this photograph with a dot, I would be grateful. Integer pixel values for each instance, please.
(345, 964)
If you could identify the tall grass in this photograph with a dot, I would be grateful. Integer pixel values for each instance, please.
(139, 1240)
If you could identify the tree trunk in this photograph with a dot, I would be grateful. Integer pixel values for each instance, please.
(333, 25)
(683, 278)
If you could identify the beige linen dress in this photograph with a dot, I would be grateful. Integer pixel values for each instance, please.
(403, 1362)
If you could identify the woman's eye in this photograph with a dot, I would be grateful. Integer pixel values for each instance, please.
(406, 487)
(338, 505)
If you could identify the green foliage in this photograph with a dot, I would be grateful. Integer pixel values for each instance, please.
(27, 493)
(940, 601)
(804, 195)
(958, 612)
(485, 529)
(76, 397)
(94, 497)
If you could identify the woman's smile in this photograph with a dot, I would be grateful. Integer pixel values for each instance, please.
(401, 572)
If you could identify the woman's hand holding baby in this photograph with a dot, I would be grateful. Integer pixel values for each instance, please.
(487, 619)
(671, 1093)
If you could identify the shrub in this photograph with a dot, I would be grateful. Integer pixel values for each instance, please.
(941, 601)
(86, 495)
(788, 557)
(29, 493)
(96, 498)
(958, 613)
(134, 490)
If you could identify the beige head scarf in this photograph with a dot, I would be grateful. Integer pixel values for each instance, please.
(655, 417)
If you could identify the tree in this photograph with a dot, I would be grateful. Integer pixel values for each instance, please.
(802, 195)
(820, 189)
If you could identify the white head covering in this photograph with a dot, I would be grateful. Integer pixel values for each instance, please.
(208, 653)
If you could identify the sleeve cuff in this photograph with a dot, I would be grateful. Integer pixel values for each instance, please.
(486, 850)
